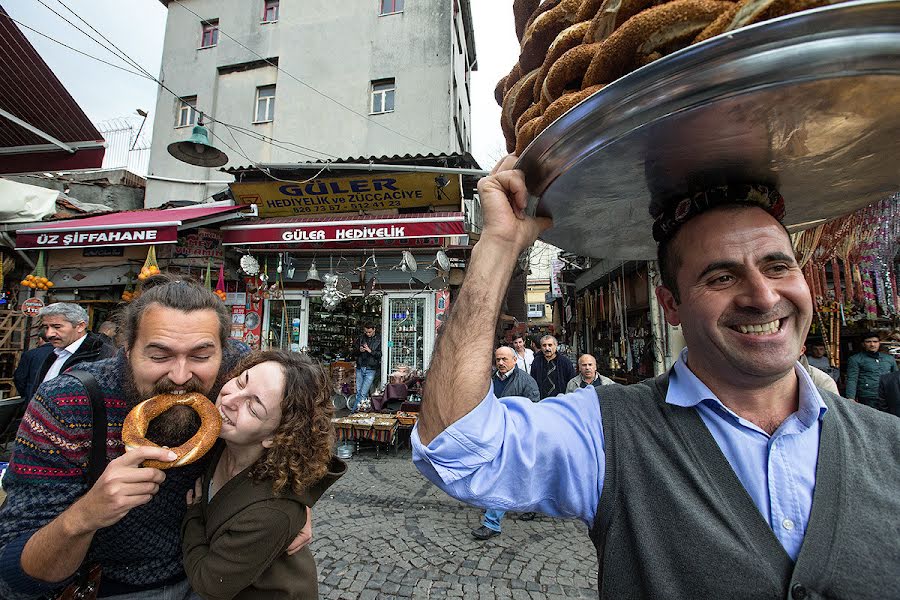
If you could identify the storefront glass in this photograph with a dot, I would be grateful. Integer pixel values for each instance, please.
(406, 332)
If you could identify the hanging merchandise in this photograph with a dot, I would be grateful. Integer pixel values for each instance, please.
(207, 280)
(330, 295)
(130, 292)
(151, 267)
(220, 284)
(249, 265)
(37, 279)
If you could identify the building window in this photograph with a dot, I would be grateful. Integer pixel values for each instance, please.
(391, 6)
(383, 96)
(270, 11)
(265, 104)
(187, 111)
(535, 310)
(210, 35)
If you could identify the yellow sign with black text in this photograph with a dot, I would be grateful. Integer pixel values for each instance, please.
(366, 193)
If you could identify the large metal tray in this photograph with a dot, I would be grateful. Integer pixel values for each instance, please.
(810, 102)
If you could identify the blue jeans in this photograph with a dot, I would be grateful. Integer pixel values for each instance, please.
(492, 518)
(364, 379)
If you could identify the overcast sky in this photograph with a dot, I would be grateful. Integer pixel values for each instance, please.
(137, 27)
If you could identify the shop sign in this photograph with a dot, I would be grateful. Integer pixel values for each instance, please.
(195, 248)
(103, 251)
(337, 231)
(32, 307)
(129, 236)
(370, 192)
(401, 244)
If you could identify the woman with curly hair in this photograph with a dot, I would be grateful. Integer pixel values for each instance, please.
(272, 461)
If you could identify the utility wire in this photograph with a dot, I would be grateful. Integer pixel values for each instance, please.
(303, 83)
(115, 66)
(122, 55)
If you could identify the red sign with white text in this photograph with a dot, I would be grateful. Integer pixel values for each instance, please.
(129, 236)
(318, 232)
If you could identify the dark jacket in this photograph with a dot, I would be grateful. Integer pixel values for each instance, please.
(555, 384)
(519, 383)
(30, 364)
(863, 372)
(234, 545)
(93, 348)
(889, 392)
(368, 360)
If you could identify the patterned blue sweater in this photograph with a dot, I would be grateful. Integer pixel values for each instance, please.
(47, 474)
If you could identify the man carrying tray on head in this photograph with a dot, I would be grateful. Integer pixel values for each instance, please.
(730, 476)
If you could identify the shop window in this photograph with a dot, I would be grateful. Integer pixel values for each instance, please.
(187, 111)
(535, 310)
(383, 92)
(389, 7)
(210, 34)
(265, 104)
(270, 11)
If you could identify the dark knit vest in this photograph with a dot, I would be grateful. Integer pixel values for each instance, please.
(674, 520)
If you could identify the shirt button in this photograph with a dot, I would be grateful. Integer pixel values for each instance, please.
(798, 592)
(787, 524)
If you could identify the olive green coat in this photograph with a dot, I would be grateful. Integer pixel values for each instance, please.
(235, 545)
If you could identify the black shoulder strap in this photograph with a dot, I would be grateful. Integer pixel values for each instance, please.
(97, 460)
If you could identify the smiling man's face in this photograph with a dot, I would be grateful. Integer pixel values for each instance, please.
(745, 307)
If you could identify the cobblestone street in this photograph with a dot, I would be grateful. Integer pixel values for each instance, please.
(383, 531)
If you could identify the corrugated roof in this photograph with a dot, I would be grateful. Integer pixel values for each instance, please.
(30, 91)
(459, 161)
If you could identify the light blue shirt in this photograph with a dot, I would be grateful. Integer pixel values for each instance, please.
(512, 454)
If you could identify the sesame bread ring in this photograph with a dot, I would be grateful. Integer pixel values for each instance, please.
(662, 29)
(134, 429)
(522, 11)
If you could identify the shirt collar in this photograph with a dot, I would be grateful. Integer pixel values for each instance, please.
(503, 377)
(686, 389)
(74, 346)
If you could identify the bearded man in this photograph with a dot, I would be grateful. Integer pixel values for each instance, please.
(129, 521)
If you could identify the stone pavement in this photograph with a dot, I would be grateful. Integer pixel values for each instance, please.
(383, 531)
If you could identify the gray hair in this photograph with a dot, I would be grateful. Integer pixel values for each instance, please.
(590, 356)
(550, 337)
(72, 313)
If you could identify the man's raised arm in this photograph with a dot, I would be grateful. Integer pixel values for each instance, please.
(460, 370)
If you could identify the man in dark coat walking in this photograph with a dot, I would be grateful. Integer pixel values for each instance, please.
(889, 392)
(65, 328)
(551, 370)
(29, 367)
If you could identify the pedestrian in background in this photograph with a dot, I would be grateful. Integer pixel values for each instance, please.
(524, 356)
(508, 381)
(368, 362)
(864, 370)
(65, 328)
(889, 392)
(587, 375)
(551, 369)
(29, 367)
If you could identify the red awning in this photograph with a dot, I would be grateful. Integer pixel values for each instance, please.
(127, 228)
(350, 230)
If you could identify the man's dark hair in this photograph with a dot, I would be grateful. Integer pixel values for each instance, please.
(871, 334)
(669, 260)
(518, 336)
(368, 325)
(177, 293)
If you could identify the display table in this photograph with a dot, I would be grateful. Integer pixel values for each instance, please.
(371, 427)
